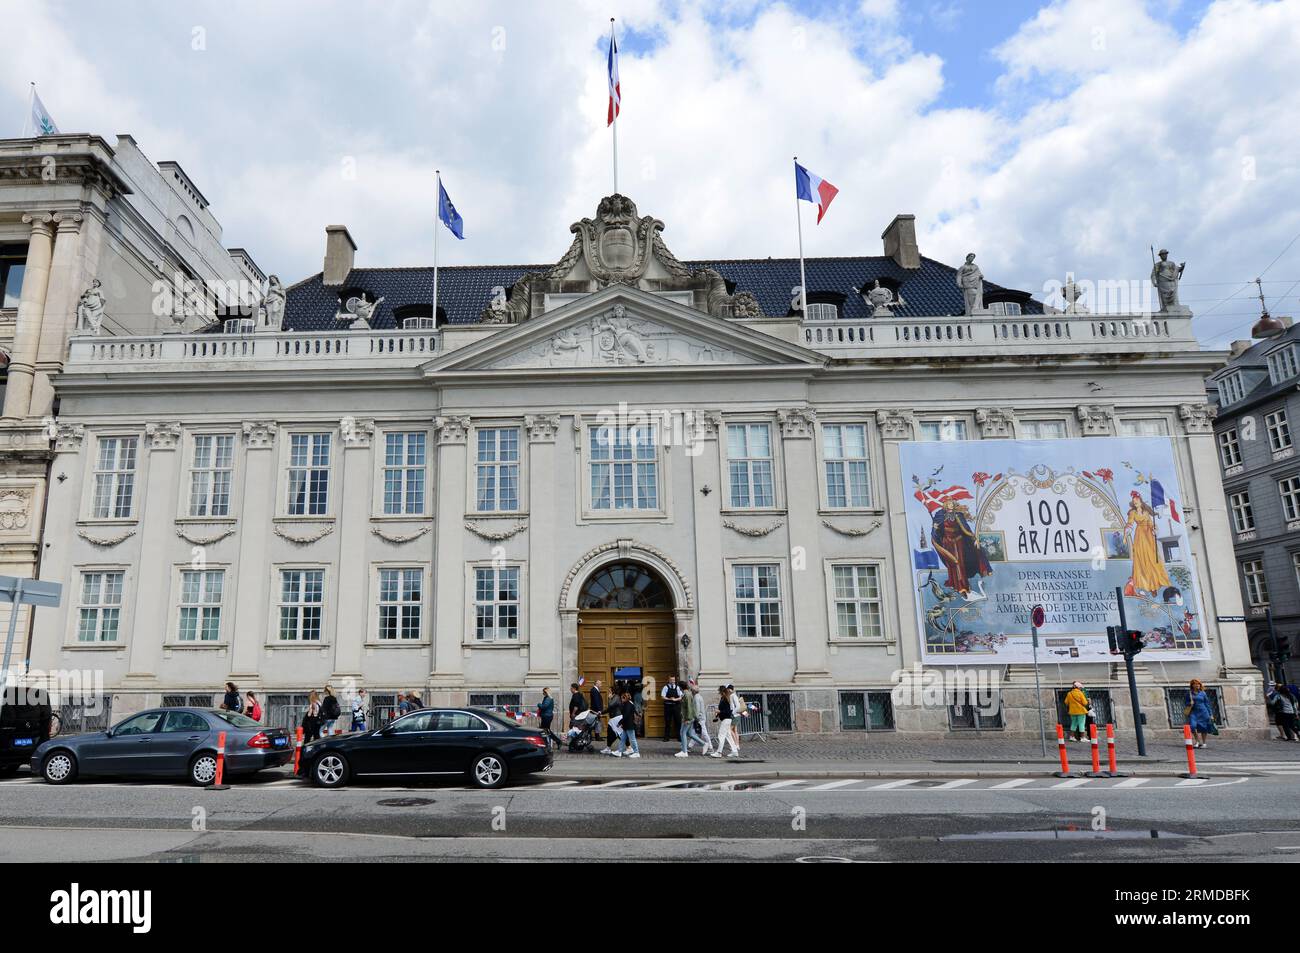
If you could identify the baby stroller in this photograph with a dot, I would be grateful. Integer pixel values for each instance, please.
(582, 735)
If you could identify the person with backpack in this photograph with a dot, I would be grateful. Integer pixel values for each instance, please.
(359, 711)
(311, 719)
(1284, 711)
(231, 700)
(329, 712)
(253, 708)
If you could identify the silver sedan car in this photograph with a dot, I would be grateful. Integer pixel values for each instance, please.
(165, 742)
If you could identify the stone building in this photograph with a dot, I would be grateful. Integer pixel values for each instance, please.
(99, 230)
(619, 462)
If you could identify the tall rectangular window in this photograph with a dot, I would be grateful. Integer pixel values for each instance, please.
(1229, 448)
(1252, 570)
(496, 603)
(13, 263)
(115, 477)
(404, 456)
(749, 463)
(942, 430)
(1279, 430)
(857, 601)
(844, 454)
(100, 610)
(309, 474)
(1232, 389)
(624, 468)
(1290, 492)
(401, 594)
(200, 607)
(302, 602)
(1282, 364)
(758, 601)
(210, 474)
(1243, 516)
(497, 470)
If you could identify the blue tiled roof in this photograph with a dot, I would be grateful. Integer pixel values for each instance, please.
(465, 290)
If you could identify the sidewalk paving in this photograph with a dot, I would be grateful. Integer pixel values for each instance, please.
(790, 756)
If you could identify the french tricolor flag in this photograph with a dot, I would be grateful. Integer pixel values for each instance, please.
(614, 93)
(812, 188)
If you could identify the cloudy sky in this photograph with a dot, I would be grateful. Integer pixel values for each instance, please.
(1047, 137)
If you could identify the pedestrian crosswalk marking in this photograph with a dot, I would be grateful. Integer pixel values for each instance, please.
(782, 784)
(832, 785)
(949, 785)
(892, 784)
(1191, 782)
(1132, 782)
(1072, 783)
(1013, 783)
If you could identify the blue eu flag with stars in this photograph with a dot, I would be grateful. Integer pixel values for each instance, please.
(448, 215)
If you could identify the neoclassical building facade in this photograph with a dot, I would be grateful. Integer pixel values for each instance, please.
(619, 462)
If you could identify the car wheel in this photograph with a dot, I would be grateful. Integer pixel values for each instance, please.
(489, 771)
(60, 767)
(330, 770)
(203, 769)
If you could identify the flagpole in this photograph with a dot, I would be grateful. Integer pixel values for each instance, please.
(803, 280)
(614, 124)
(31, 108)
(437, 227)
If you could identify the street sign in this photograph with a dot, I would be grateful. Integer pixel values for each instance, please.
(30, 592)
(1231, 618)
(1037, 616)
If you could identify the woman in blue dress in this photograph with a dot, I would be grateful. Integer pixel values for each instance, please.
(1199, 715)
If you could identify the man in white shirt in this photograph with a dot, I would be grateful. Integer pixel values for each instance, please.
(672, 696)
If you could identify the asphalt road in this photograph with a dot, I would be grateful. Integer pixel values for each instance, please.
(878, 820)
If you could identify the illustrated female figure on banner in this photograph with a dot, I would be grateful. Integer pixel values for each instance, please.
(959, 549)
(1149, 575)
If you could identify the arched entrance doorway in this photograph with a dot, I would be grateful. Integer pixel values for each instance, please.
(626, 624)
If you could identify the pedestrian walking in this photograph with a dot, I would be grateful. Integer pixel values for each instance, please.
(739, 710)
(612, 727)
(252, 707)
(627, 746)
(231, 702)
(403, 704)
(416, 701)
(577, 703)
(329, 712)
(724, 718)
(701, 709)
(687, 732)
(311, 718)
(671, 694)
(1076, 706)
(546, 712)
(1284, 712)
(1198, 713)
(358, 711)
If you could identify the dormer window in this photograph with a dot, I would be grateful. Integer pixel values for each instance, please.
(822, 311)
(424, 323)
(1282, 364)
(238, 326)
(1232, 388)
(418, 317)
(1005, 308)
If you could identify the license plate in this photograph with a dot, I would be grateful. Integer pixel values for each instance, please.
(281, 742)
(23, 742)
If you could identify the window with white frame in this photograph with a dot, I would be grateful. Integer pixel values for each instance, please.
(496, 603)
(749, 465)
(1279, 430)
(822, 311)
(949, 428)
(1290, 492)
(1252, 571)
(115, 478)
(497, 470)
(1229, 448)
(199, 619)
(1243, 516)
(757, 595)
(100, 609)
(211, 470)
(1282, 364)
(309, 474)
(857, 601)
(1232, 389)
(401, 596)
(1008, 308)
(1043, 429)
(844, 456)
(1295, 567)
(404, 461)
(302, 604)
(624, 468)
(1144, 427)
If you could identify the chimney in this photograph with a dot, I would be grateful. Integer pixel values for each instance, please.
(1238, 348)
(339, 252)
(900, 241)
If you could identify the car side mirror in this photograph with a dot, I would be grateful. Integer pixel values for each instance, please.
(108, 732)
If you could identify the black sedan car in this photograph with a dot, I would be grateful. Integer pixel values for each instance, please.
(165, 742)
(482, 745)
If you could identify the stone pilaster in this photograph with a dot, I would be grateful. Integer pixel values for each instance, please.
(352, 626)
(151, 629)
(449, 553)
(544, 662)
(708, 490)
(60, 309)
(249, 635)
(31, 310)
(807, 579)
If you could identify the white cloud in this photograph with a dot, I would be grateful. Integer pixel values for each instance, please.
(1092, 154)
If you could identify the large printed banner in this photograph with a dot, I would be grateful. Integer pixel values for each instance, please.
(998, 526)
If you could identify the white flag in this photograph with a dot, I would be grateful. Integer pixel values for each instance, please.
(42, 124)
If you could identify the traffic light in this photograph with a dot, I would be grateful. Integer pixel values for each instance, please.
(1123, 641)
(1133, 642)
(1113, 637)
(1282, 647)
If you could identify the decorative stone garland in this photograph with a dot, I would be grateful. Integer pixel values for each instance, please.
(306, 540)
(496, 536)
(398, 538)
(753, 531)
(204, 540)
(105, 541)
(850, 531)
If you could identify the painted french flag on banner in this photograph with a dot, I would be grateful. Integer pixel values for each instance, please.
(1158, 499)
(812, 188)
(614, 96)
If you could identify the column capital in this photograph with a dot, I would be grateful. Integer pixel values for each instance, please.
(1198, 418)
(542, 428)
(996, 421)
(894, 424)
(39, 221)
(1097, 420)
(69, 221)
(797, 423)
(356, 432)
(259, 434)
(163, 436)
(452, 429)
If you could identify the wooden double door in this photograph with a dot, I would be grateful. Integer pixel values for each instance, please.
(612, 639)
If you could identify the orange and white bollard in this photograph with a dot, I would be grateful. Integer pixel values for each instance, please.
(297, 751)
(1096, 771)
(221, 763)
(1110, 753)
(1065, 758)
(1191, 754)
